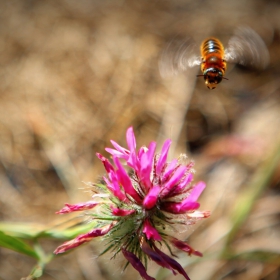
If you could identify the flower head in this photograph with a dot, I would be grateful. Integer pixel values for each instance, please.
(140, 208)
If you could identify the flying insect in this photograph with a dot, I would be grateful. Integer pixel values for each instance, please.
(245, 47)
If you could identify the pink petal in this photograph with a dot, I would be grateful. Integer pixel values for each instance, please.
(121, 212)
(171, 183)
(136, 263)
(131, 143)
(146, 163)
(115, 153)
(82, 238)
(120, 148)
(189, 203)
(114, 188)
(163, 157)
(120, 151)
(188, 206)
(68, 208)
(113, 176)
(179, 208)
(196, 191)
(124, 179)
(141, 151)
(169, 170)
(182, 185)
(185, 247)
(151, 198)
(108, 166)
(176, 177)
(150, 231)
(130, 139)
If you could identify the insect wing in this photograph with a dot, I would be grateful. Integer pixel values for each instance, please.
(178, 56)
(247, 48)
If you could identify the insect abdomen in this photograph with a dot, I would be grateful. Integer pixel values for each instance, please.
(212, 52)
(212, 45)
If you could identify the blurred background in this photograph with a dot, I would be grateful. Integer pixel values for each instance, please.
(75, 74)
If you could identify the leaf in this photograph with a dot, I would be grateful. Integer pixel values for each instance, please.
(258, 255)
(17, 245)
(69, 233)
(33, 231)
(22, 230)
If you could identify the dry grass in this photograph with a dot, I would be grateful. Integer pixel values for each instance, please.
(75, 74)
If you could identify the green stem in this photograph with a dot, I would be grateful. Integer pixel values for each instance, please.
(250, 194)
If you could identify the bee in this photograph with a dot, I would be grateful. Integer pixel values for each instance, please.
(245, 47)
(213, 64)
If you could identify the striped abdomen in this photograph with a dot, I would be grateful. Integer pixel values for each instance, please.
(212, 52)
